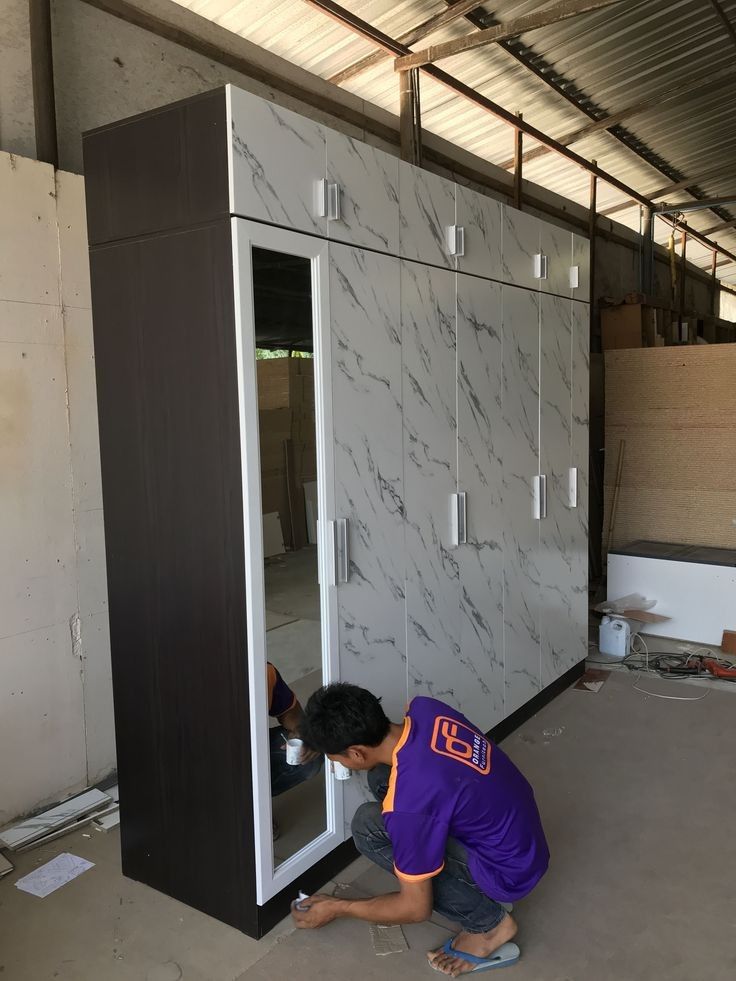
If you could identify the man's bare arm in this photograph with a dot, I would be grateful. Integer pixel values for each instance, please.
(412, 904)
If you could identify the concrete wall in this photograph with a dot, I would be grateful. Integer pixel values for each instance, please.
(56, 728)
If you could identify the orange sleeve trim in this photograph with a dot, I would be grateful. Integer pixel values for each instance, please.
(388, 800)
(418, 878)
(270, 681)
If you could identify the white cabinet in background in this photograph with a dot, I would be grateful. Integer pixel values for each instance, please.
(557, 625)
(427, 212)
(521, 243)
(481, 219)
(277, 164)
(430, 480)
(580, 265)
(365, 316)
(480, 478)
(579, 464)
(555, 245)
(520, 456)
(363, 194)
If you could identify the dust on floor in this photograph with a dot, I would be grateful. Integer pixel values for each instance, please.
(637, 795)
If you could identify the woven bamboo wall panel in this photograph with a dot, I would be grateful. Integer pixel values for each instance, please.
(676, 410)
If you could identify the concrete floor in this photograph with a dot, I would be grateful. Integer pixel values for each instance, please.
(637, 796)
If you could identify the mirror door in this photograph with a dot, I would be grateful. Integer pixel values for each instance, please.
(281, 282)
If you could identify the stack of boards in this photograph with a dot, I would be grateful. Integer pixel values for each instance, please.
(98, 807)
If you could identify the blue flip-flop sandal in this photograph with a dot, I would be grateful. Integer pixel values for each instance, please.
(505, 956)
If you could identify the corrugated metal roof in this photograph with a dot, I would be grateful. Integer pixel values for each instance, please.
(666, 51)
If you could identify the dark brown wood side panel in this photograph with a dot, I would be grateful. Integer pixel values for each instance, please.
(169, 435)
(161, 170)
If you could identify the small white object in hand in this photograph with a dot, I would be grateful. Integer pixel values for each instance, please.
(299, 902)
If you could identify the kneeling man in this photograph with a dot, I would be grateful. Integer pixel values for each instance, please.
(457, 823)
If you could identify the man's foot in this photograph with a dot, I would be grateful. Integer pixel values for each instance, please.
(478, 944)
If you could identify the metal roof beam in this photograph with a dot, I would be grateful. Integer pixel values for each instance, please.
(361, 27)
(458, 9)
(730, 30)
(492, 35)
(616, 118)
(682, 185)
(719, 228)
(703, 204)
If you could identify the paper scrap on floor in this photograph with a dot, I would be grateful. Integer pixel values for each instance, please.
(388, 939)
(53, 875)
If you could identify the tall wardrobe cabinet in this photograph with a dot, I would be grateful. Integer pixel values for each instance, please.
(450, 368)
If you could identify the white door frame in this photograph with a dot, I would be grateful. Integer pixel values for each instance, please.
(245, 236)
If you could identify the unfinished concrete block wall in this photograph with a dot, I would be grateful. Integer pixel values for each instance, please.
(56, 722)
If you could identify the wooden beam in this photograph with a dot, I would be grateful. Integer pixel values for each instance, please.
(458, 9)
(410, 120)
(492, 35)
(683, 269)
(341, 15)
(592, 228)
(714, 83)
(518, 157)
(42, 76)
(713, 282)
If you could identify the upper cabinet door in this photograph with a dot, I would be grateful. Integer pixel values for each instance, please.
(277, 164)
(481, 219)
(521, 243)
(363, 194)
(427, 211)
(581, 268)
(555, 247)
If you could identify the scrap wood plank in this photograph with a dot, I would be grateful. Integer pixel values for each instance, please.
(51, 820)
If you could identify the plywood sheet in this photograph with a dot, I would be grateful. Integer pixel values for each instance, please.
(675, 408)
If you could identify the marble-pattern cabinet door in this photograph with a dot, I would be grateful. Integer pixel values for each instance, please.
(369, 487)
(430, 478)
(480, 476)
(557, 528)
(521, 242)
(482, 220)
(579, 459)
(426, 211)
(368, 182)
(520, 456)
(581, 259)
(556, 245)
(277, 159)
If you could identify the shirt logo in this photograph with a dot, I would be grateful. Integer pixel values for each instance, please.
(461, 743)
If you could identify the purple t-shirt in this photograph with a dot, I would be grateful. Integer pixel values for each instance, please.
(448, 780)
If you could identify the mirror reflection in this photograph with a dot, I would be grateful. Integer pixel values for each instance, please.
(286, 413)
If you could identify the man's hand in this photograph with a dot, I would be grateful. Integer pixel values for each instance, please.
(307, 756)
(319, 911)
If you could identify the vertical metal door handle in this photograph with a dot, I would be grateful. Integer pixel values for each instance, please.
(543, 488)
(458, 519)
(342, 551)
(455, 239)
(574, 277)
(573, 487)
(320, 198)
(540, 266)
(539, 497)
(333, 202)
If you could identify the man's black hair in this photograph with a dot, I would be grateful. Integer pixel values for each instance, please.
(341, 715)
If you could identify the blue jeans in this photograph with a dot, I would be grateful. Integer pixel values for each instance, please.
(455, 895)
(284, 776)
